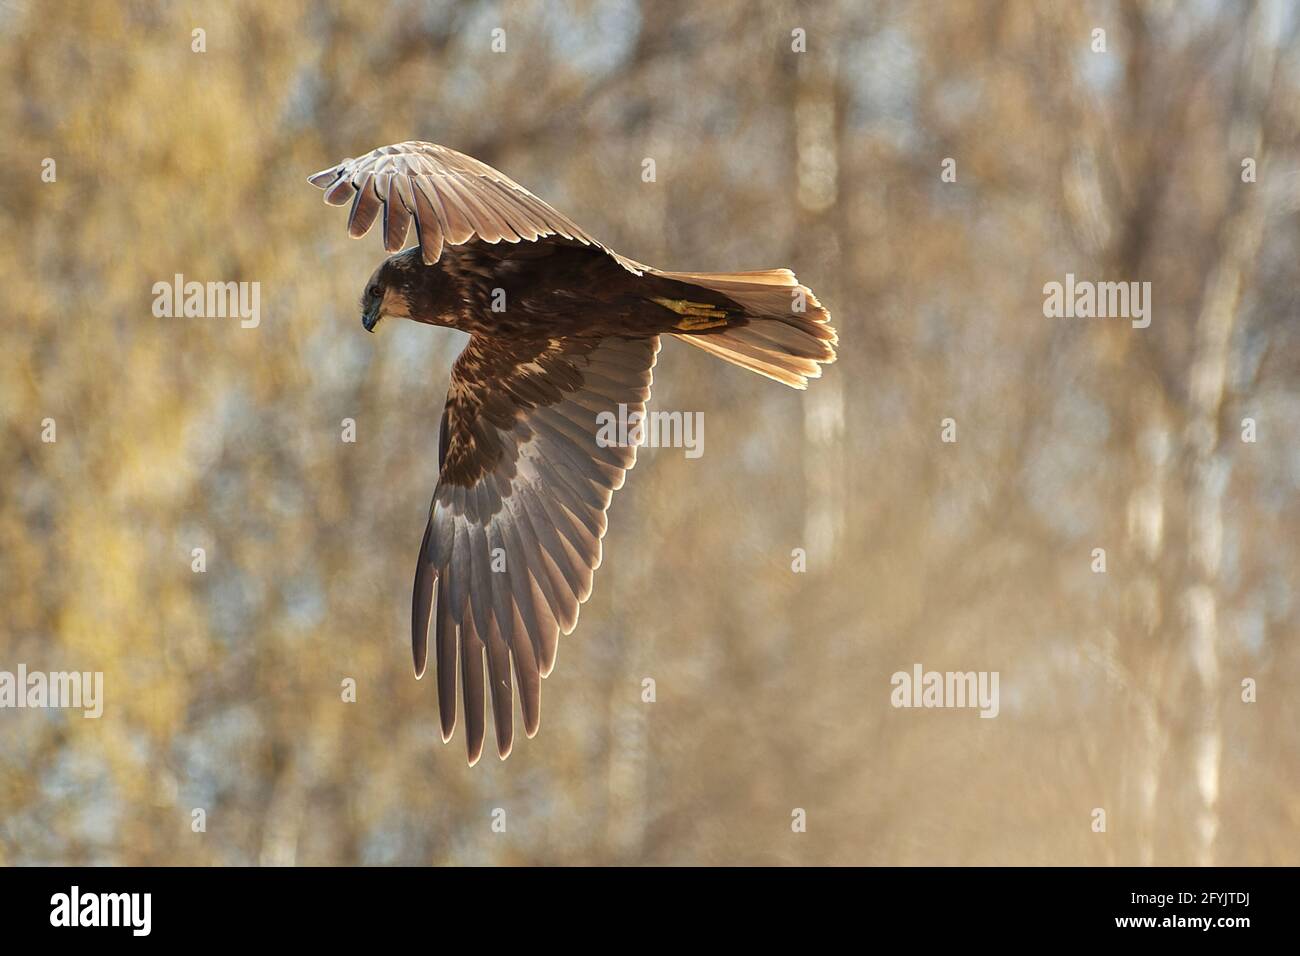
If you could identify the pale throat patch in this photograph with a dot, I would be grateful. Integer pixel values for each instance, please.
(394, 304)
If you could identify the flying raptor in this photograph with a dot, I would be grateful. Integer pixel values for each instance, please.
(562, 328)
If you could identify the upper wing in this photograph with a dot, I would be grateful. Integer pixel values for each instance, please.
(515, 528)
(452, 198)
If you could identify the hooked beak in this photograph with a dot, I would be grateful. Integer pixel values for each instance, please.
(370, 317)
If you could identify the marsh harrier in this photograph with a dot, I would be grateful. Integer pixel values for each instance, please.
(562, 328)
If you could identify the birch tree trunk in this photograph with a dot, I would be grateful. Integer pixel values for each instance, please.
(1209, 466)
(817, 182)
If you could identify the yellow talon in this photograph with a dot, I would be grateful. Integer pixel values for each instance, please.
(696, 315)
(695, 323)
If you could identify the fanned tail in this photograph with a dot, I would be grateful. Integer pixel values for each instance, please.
(786, 335)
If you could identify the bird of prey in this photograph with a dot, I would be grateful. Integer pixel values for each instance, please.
(562, 328)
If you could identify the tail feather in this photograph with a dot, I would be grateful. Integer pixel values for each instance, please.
(788, 336)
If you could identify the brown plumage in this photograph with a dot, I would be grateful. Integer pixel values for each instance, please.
(562, 328)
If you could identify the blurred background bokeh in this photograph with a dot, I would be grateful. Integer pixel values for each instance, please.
(1119, 690)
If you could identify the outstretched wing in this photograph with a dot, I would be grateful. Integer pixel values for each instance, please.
(450, 196)
(515, 528)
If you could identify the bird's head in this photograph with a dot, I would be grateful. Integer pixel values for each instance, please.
(388, 291)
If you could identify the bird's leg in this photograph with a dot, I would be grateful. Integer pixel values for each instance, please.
(696, 324)
(695, 315)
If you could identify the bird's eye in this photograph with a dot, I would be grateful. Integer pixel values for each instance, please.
(374, 292)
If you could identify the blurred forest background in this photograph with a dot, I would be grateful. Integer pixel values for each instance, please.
(1120, 690)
